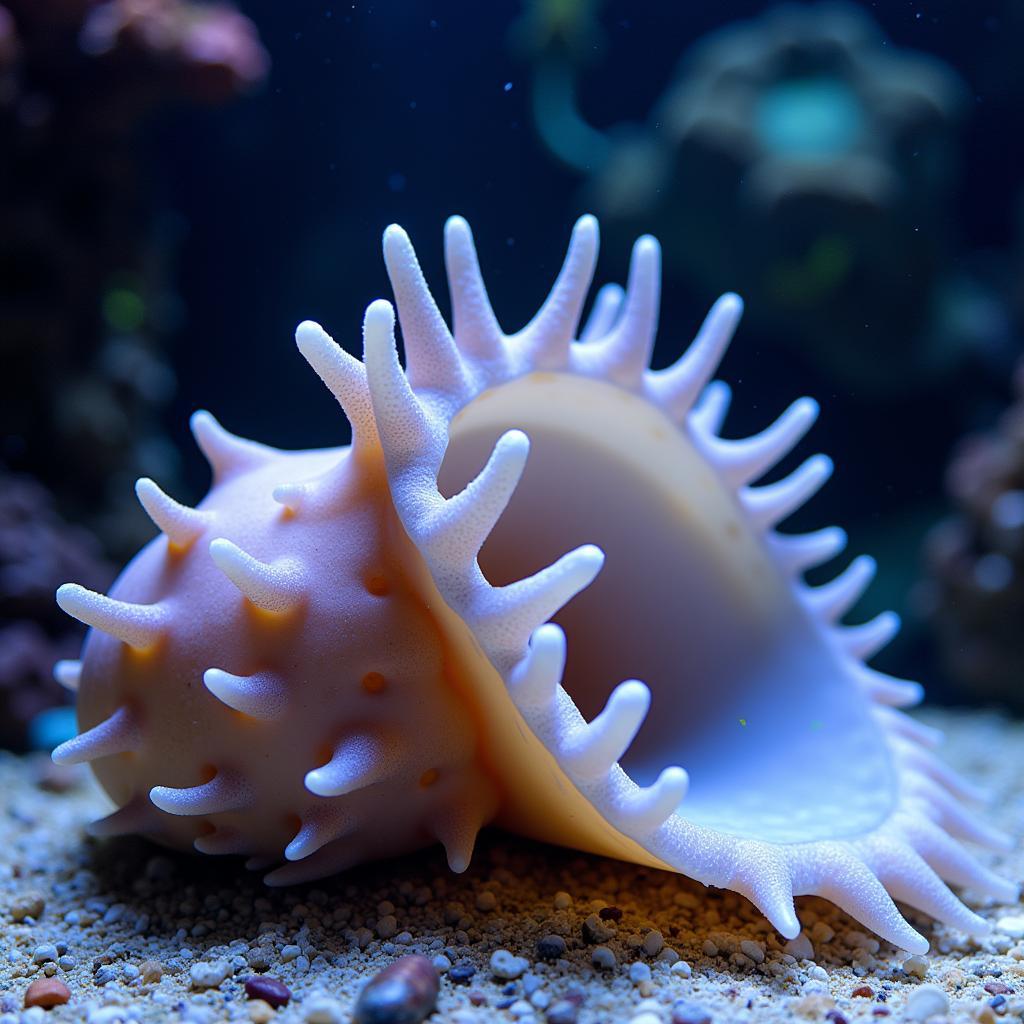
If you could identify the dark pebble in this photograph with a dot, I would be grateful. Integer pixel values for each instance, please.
(610, 913)
(270, 990)
(863, 992)
(477, 998)
(835, 1017)
(563, 1012)
(997, 988)
(551, 947)
(403, 993)
(881, 1011)
(461, 974)
(504, 1004)
(997, 1002)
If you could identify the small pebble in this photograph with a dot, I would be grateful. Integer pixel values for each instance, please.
(272, 991)
(863, 992)
(486, 901)
(47, 993)
(47, 951)
(29, 904)
(800, 948)
(551, 947)
(595, 930)
(442, 964)
(681, 969)
(289, 953)
(260, 1012)
(610, 914)
(638, 972)
(654, 942)
(387, 926)
(924, 1002)
(916, 966)
(462, 974)
(207, 974)
(405, 992)
(505, 965)
(563, 901)
(151, 971)
(752, 949)
(603, 958)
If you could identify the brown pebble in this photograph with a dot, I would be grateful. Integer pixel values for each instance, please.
(151, 971)
(997, 988)
(477, 998)
(405, 992)
(610, 913)
(270, 990)
(864, 992)
(47, 993)
(29, 904)
(835, 1017)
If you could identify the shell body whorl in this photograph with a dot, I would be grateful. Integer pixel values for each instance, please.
(540, 589)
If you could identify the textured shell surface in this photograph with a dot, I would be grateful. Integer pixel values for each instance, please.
(465, 617)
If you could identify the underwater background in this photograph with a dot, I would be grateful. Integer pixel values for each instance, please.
(183, 182)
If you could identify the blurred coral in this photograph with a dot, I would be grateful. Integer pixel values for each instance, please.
(975, 594)
(37, 552)
(802, 159)
(86, 285)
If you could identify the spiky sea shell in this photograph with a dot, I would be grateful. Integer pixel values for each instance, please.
(345, 654)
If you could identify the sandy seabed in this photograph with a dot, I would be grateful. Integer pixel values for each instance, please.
(115, 916)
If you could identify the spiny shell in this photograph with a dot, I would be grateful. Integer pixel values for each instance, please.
(346, 654)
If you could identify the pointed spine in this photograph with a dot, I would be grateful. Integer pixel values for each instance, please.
(136, 816)
(741, 462)
(345, 378)
(115, 735)
(534, 681)
(832, 600)
(651, 806)
(901, 724)
(68, 673)
(886, 689)
(431, 356)
(798, 552)
(358, 761)
(769, 504)
(867, 639)
(947, 812)
(514, 611)
(548, 335)
(221, 794)
(628, 347)
(274, 587)
(607, 307)
(317, 832)
(953, 863)
(261, 695)
(854, 887)
(707, 417)
(226, 453)
(181, 524)
(405, 430)
(594, 748)
(476, 328)
(466, 520)
(909, 879)
(677, 387)
(138, 625)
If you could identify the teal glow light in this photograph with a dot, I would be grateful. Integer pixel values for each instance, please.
(811, 118)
